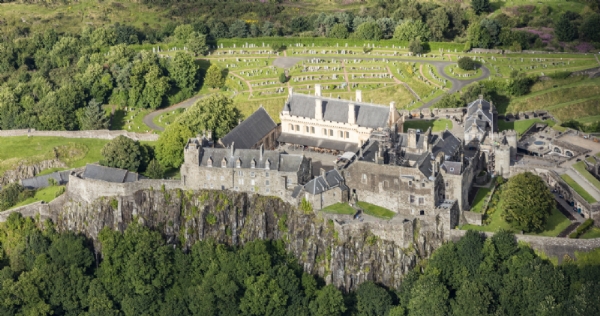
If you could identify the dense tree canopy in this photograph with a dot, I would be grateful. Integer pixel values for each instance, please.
(122, 152)
(527, 202)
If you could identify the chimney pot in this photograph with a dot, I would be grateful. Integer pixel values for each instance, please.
(318, 89)
(358, 96)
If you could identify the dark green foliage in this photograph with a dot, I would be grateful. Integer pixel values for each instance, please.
(564, 29)
(368, 31)
(590, 28)
(299, 24)
(480, 6)
(415, 46)
(527, 202)
(238, 29)
(582, 228)
(520, 85)
(12, 194)
(92, 117)
(155, 170)
(466, 63)
(449, 100)
(197, 43)
(338, 31)
(122, 152)
(282, 78)
(372, 300)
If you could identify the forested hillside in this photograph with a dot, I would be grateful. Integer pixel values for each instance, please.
(47, 272)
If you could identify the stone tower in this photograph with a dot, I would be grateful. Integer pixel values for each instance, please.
(191, 152)
(511, 140)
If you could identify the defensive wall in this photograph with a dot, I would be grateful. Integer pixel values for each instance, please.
(550, 246)
(90, 190)
(98, 134)
(44, 210)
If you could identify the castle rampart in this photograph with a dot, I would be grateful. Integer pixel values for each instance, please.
(98, 134)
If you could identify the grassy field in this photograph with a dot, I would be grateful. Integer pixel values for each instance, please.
(522, 125)
(580, 168)
(593, 232)
(436, 125)
(46, 194)
(340, 208)
(457, 73)
(581, 191)
(479, 200)
(376, 211)
(555, 224)
(74, 152)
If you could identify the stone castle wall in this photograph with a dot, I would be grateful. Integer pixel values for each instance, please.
(90, 190)
(98, 134)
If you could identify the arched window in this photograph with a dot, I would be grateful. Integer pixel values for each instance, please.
(268, 164)
(209, 162)
(252, 164)
(238, 163)
(224, 163)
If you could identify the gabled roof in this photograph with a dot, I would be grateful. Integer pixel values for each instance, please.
(446, 143)
(61, 177)
(277, 160)
(481, 125)
(452, 167)
(336, 110)
(109, 174)
(318, 142)
(251, 130)
(321, 184)
(486, 109)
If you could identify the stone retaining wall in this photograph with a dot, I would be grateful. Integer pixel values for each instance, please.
(471, 218)
(90, 190)
(99, 134)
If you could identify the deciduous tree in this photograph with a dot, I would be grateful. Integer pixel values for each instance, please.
(122, 152)
(214, 77)
(527, 202)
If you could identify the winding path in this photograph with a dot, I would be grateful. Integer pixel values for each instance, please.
(149, 119)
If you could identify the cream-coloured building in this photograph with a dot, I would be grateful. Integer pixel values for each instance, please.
(328, 123)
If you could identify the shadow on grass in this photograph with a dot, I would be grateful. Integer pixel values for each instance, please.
(118, 120)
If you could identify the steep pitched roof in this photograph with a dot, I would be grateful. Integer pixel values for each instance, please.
(452, 167)
(317, 142)
(486, 109)
(447, 143)
(336, 110)
(251, 130)
(321, 184)
(276, 160)
(61, 177)
(109, 174)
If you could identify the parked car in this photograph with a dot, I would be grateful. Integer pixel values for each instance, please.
(561, 196)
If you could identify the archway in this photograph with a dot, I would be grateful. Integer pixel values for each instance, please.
(557, 150)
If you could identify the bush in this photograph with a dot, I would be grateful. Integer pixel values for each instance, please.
(305, 206)
(466, 63)
(582, 228)
(415, 46)
(282, 78)
(211, 219)
(560, 75)
(122, 152)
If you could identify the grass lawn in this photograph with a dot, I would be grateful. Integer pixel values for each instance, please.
(46, 194)
(584, 194)
(479, 200)
(522, 125)
(396, 93)
(49, 171)
(555, 224)
(377, 211)
(123, 121)
(458, 72)
(580, 167)
(423, 125)
(74, 152)
(340, 208)
(593, 232)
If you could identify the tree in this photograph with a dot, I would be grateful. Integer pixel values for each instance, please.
(239, 29)
(527, 202)
(329, 302)
(438, 23)
(282, 77)
(449, 100)
(472, 298)
(155, 170)
(368, 31)
(299, 24)
(197, 43)
(267, 29)
(372, 300)
(122, 152)
(429, 297)
(409, 30)
(415, 46)
(10, 195)
(263, 296)
(565, 30)
(214, 77)
(589, 28)
(92, 116)
(183, 32)
(338, 31)
(520, 85)
(184, 71)
(169, 148)
(466, 63)
(480, 6)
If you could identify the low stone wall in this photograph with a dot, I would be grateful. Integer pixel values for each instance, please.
(551, 246)
(471, 218)
(44, 210)
(486, 51)
(99, 134)
(90, 190)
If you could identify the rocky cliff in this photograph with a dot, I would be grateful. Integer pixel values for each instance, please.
(25, 170)
(343, 256)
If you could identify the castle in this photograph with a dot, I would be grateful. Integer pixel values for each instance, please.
(413, 173)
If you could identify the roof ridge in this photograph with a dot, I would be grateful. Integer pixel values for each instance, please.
(350, 101)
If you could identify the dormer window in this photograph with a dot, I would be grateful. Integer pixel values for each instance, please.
(209, 162)
(267, 164)
(252, 164)
(238, 163)
(224, 163)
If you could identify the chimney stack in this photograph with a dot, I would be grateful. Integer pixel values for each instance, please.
(318, 89)
(318, 109)
(290, 91)
(358, 96)
(392, 106)
(232, 148)
(351, 114)
(322, 172)
(262, 151)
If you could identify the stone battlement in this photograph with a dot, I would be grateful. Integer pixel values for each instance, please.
(98, 134)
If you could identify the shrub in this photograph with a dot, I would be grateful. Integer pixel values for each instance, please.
(582, 228)
(466, 63)
(114, 204)
(60, 192)
(211, 219)
(282, 78)
(306, 206)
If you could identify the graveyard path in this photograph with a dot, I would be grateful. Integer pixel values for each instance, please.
(427, 79)
(346, 76)
(149, 119)
(396, 80)
(244, 80)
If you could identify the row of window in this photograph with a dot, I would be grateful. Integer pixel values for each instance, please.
(324, 131)
(386, 184)
(238, 163)
(421, 200)
(206, 186)
(240, 174)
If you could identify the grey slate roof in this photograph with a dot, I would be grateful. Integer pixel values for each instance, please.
(447, 143)
(321, 184)
(317, 142)
(61, 177)
(336, 110)
(486, 109)
(452, 167)
(297, 190)
(251, 130)
(481, 125)
(277, 160)
(109, 174)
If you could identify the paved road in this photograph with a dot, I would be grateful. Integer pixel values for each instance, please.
(584, 184)
(439, 65)
(148, 119)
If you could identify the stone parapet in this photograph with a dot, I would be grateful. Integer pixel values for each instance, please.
(98, 134)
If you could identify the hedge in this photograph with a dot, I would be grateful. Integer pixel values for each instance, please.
(582, 228)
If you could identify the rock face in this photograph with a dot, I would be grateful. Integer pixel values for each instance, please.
(24, 171)
(236, 218)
